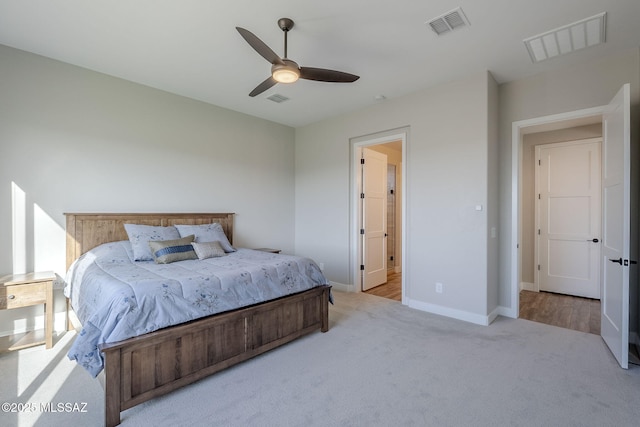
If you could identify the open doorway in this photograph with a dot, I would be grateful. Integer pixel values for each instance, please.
(366, 224)
(561, 227)
(617, 218)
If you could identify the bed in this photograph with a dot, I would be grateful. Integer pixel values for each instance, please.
(143, 367)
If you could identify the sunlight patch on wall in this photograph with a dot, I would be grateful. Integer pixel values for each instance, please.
(45, 252)
(19, 228)
(48, 237)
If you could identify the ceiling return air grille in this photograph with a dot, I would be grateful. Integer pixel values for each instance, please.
(448, 22)
(278, 98)
(569, 38)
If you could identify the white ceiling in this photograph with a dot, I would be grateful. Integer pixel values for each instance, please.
(191, 47)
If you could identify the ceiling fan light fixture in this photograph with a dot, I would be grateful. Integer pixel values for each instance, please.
(287, 73)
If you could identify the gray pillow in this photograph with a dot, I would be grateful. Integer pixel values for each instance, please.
(166, 251)
(140, 236)
(206, 233)
(208, 249)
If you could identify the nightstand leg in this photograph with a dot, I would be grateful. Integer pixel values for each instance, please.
(69, 322)
(48, 316)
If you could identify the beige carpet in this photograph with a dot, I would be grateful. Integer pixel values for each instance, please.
(380, 364)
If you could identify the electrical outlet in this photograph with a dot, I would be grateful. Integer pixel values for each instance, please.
(438, 287)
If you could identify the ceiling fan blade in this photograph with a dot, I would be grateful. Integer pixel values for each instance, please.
(324, 75)
(263, 86)
(260, 46)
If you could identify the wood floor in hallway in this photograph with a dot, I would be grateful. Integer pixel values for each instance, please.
(566, 311)
(391, 290)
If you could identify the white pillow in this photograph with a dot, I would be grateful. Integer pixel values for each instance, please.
(206, 233)
(140, 236)
(208, 249)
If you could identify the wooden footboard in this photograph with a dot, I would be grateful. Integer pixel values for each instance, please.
(141, 368)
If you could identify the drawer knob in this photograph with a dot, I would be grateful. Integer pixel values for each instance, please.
(12, 297)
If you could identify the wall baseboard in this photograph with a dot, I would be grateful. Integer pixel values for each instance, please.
(527, 286)
(466, 316)
(342, 287)
(504, 312)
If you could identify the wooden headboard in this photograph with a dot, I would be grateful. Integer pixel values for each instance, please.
(85, 231)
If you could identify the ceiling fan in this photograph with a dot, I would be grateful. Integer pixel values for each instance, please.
(284, 70)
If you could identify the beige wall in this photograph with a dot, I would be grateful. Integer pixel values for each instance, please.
(74, 140)
(446, 178)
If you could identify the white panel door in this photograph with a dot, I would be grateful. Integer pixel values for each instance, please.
(569, 217)
(374, 211)
(616, 176)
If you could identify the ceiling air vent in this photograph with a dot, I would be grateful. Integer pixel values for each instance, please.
(278, 98)
(563, 40)
(449, 21)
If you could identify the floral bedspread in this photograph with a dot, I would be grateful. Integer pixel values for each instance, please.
(117, 298)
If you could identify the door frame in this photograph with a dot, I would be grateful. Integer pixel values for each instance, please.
(518, 130)
(355, 251)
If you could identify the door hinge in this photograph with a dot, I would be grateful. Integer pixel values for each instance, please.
(391, 258)
(539, 162)
(361, 266)
(362, 161)
(362, 195)
(362, 231)
(539, 196)
(538, 267)
(538, 231)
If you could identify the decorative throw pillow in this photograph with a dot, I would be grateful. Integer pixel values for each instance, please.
(166, 251)
(141, 235)
(207, 233)
(208, 249)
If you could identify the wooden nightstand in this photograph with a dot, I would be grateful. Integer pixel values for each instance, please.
(273, 251)
(23, 290)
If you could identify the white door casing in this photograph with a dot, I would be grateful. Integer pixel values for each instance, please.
(374, 218)
(568, 220)
(616, 173)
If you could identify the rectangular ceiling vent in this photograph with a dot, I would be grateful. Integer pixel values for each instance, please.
(579, 35)
(449, 21)
(278, 98)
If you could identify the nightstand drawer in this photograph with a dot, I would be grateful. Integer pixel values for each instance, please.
(22, 295)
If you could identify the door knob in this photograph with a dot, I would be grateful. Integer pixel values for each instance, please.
(593, 240)
(619, 261)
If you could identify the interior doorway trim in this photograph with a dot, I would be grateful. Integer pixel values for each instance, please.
(355, 251)
(519, 129)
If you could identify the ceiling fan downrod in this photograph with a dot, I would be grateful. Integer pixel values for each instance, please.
(285, 25)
